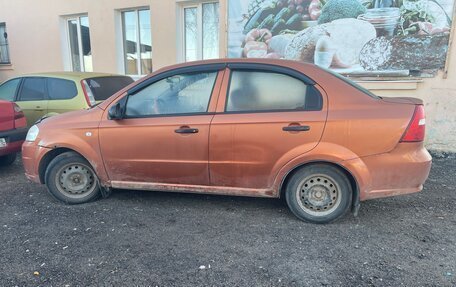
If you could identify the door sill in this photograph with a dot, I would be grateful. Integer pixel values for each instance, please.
(187, 188)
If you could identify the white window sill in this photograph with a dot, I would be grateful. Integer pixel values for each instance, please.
(4, 67)
(390, 84)
(136, 77)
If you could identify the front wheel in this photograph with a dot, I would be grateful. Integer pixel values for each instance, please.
(71, 179)
(319, 193)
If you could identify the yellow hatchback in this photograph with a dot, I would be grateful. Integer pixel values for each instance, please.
(49, 94)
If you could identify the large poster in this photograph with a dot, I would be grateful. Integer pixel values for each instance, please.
(365, 37)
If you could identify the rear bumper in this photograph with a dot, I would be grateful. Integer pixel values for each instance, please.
(31, 157)
(14, 139)
(401, 171)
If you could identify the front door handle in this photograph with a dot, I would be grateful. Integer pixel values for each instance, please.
(186, 130)
(296, 128)
(38, 109)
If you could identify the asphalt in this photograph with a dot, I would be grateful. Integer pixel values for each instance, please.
(167, 239)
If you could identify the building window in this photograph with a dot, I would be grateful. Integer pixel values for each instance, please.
(137, 41)
(4, 49)
(79, 43)
(201, 31)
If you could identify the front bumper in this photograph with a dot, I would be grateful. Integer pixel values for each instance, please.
(14, 139)
(404, 170)
(32, 154)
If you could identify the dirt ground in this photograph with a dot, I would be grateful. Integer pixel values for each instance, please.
(163, 239)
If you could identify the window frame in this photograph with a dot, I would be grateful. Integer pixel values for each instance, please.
(19, 91)
(8, 55)
(138, 42)
(266, 68)
(199, 18)
(76, 18)
(207, 68)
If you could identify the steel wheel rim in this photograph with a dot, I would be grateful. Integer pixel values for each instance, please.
(76, 180)
(318, 195)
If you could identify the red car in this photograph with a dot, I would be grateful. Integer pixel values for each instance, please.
(13, 129)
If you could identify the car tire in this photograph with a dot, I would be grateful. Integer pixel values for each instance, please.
(71, 179)
(319, 193)
(8, 159)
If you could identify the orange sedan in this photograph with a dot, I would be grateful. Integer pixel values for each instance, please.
(263, 128)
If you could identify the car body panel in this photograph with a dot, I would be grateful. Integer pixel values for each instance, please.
(156, 152)
(400, 171)
(12, 130)
(30, 153)
(362, 124)
(192, 188)
(80, 136)
(359, 133)
(6, 116)
(12, 147)
(33, 110)
(247, 149)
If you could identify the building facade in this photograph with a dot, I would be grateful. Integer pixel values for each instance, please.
(136, 37)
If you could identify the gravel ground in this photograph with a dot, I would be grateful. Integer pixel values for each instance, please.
(163, 239)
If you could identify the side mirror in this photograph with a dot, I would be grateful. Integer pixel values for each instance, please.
(117, 111)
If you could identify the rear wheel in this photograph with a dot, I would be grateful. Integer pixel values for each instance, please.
(7, 159)
(319, 193)
(71, 179)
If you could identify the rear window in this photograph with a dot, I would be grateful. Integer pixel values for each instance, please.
(104, 87)
(60, 89)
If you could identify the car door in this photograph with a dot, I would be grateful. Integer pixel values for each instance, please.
(269, 116)
(163, 137)
(32, 98)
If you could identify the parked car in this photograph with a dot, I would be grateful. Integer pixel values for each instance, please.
(49, 94)
(13, 129)
(263, 128)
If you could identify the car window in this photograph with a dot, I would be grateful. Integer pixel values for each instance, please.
(60, 89)
(33, 89)
(103, 87)
(8, 89)
(268, 91)
(179, 94)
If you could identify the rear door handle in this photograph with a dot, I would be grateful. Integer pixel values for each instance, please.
(296, 129)
(186, 130)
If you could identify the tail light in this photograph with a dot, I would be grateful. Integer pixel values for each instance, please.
(19, 117)
(416, 129)
(88, 93)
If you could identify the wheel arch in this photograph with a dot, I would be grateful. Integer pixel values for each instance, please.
(353, 181)
(49, 156)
